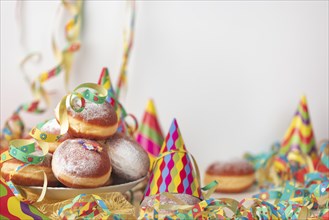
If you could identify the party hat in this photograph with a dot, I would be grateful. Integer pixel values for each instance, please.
(173, 171)
(299, 136)
(149, 134)
(105, 81)
(12, 208)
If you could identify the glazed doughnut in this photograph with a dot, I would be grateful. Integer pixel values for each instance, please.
(232, 177)
(52, 127)
(129, 160)
(30, 175)
(81, 163)
(95, 121)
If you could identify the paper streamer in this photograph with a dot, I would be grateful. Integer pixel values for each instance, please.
(324, 154)
(76, 100)
(123, 127)
(13, 128)
(23, 150)
(39, 135)
(291, 203)
(12, 208)
(65, 60)
(128, 38)
(64, 57)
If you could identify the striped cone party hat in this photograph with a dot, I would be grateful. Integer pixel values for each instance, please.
(173, 171)
(105, 81)
(299, 136)
(149, 134)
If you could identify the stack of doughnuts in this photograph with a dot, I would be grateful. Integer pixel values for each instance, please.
(92, 154)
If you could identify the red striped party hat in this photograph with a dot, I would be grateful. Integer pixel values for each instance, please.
(149, 134)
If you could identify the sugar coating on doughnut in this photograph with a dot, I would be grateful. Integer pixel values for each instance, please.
(129, 159)
(101, 114)
(51, 127)
(72, 158)
(238, 167)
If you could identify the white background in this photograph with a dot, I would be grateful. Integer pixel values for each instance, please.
(232, 73)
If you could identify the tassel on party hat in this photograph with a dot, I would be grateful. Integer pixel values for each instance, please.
(173, 171)
(149, 134)
(299, 136)
(105, 81)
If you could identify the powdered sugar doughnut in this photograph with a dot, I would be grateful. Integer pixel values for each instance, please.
(31, 175)
(52, 127)
(81, 163)
(95, 121)
(232, 177)
(129, 160)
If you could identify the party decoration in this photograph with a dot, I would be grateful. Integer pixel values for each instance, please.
(128, 38)
(149, 134)
(64, 57)
(12, 208)
(290, 202)
(23, 150)
(299, 136)
(105, 81)
(173, 170)
(111, 205)
(13, 128)
(323, 164)
(123, 127)
(71, 100)
(65, 60)
(39, 135)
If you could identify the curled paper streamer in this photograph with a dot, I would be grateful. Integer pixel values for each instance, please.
(23, 150)
(128, 38)
(98, 96)
(65, 59)
(12, 208)
(124, 126)
(13, 129)
(274, 168)
(39, 135)
(225, 208)
(307, 187)
(110, 205)
(324, 154)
